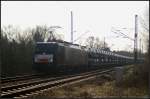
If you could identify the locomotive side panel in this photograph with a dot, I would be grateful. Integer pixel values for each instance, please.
(75, 57)
(60, 55)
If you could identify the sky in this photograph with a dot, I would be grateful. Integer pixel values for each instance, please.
(90, 18)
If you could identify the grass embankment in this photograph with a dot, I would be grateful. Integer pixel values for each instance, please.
(131, 85)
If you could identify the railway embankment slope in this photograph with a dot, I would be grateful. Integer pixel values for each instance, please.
(133, 84)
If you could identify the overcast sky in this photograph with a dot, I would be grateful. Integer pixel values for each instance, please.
(96, 18)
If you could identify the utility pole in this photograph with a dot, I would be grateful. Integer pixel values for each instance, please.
(140, 49)
(104, 43)
(71, 27)
(135, 39)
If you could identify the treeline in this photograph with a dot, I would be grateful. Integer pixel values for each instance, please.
(17, 47)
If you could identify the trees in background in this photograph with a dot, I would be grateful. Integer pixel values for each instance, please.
(94, 42)
(144, 22)
(17, 48)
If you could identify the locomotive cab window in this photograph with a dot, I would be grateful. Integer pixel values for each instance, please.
(45, 48)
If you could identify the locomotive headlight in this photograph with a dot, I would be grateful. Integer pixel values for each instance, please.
(50, 58)
(35, 58)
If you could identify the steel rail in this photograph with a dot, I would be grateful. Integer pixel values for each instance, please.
(10, 87)
(50, 84)
(19, 78)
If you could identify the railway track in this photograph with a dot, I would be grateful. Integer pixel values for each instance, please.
(20, 78)
(36, 87)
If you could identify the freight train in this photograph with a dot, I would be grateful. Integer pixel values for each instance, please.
(55, 56)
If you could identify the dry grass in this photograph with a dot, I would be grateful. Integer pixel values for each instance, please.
(103, 86)
(94, 90)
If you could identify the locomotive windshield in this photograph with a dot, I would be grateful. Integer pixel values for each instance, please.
(45, 47)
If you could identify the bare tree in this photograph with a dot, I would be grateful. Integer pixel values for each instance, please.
(145, 69)
(90, 42)
(39, 33)
(93, 42)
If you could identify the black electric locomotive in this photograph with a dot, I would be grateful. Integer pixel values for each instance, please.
(55, 56)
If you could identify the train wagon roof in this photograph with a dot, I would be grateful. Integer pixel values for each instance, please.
(63, 43)
(101, 51)
(94, 50)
